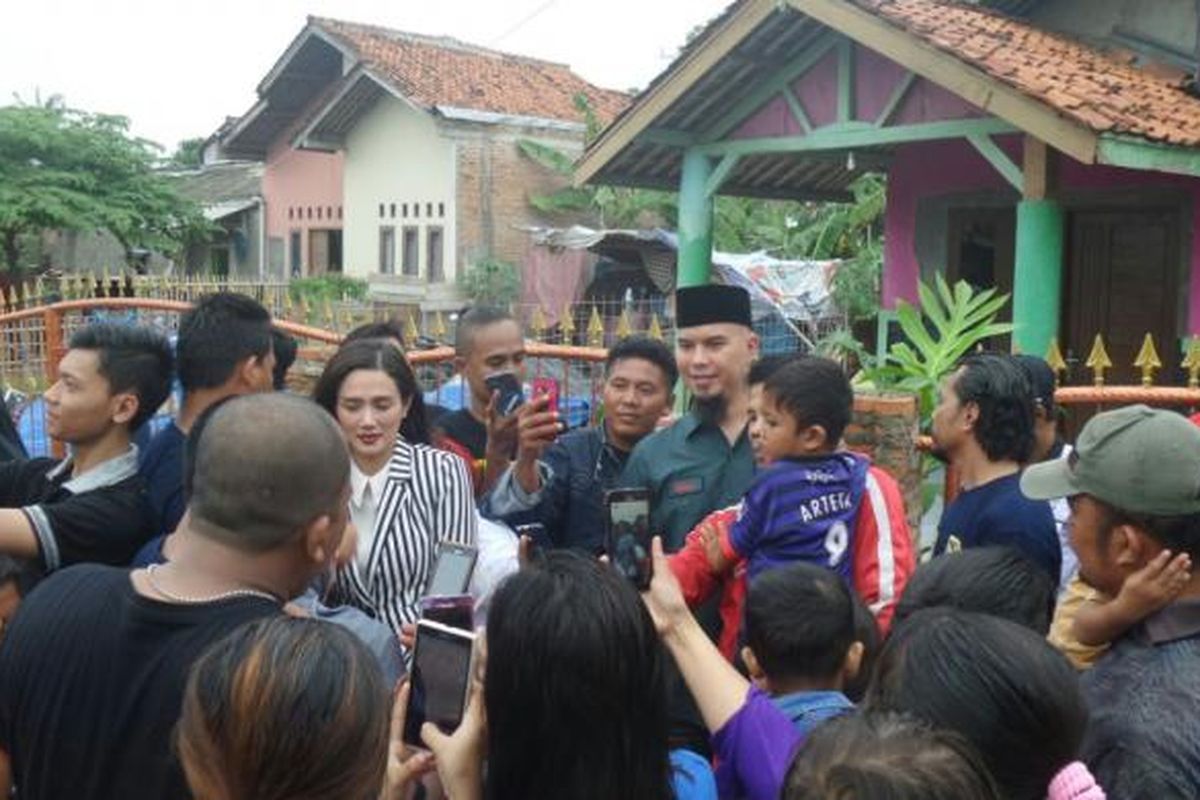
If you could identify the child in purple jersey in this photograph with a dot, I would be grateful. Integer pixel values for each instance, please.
(817, 504)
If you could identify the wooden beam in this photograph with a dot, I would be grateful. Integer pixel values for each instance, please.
(1131, 153)
(954, 74)
(893, 103)
(845, 106)
(797, 109)
(757, 98)
(1037, 167)
(668, 138)
(720, 173)
(856, 135)
(988, 148)
(656, 100)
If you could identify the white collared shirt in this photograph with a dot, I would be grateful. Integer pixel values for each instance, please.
(365, 492)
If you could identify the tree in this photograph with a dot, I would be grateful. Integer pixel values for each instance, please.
(189, 154)
(62, 168)
(608, 206)
(491, 282)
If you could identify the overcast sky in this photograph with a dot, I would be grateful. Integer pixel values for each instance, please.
(176, 68)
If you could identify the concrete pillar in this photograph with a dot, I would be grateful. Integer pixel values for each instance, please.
(695, 221)
(1038, 277)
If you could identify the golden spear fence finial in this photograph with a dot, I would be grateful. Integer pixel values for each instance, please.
(1098, 360)
(595, 329)
(1147, 360)
(1054, 358)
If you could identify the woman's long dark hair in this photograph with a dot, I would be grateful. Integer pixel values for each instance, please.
(376, 354)
(998, 684)
(285, 709)
(575, 687)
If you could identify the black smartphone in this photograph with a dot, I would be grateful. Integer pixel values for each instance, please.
(511, 396)
(440, 678)
(452, 570)
(627, 539)
(455, 611)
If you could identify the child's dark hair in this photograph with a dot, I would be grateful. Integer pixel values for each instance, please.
(132, 359)
(814, 391)
(872, 756)
(866, 633)
(1002, 391)
(286, 347)
(799, 622)
(646, 349)
(285, 709)
(768, 365)
(1000, 581)
(996, 683)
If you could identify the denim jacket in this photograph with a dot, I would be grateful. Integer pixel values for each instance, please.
(576, 471)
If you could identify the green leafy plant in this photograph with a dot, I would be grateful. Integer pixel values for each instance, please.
(332, 287)
(491, 282)
(948, 325)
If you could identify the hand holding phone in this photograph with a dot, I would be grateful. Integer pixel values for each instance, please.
(439, 681)
(506, 390)
(547, 387)
(628, 535)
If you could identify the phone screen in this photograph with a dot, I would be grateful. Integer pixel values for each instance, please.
(629, 536)
(441, 672)
(452, 573)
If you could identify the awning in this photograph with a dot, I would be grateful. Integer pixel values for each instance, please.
(227, 208)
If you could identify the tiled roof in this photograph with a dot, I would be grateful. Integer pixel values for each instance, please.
(440, 71)
(1102, 91)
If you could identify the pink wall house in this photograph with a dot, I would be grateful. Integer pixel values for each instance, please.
(303, 190)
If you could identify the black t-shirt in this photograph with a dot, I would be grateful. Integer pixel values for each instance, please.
(462, 427)
(102, 516)
(161, 466)
(91, 684)
(997, 513)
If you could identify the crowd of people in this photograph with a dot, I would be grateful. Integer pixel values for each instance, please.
(229, 611)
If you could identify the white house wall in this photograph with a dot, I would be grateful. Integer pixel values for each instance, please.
(395, 160)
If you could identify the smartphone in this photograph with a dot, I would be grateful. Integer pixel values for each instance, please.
(439, 680)
(627, 539)
(454, 611)
(511, 396)
(548, 387)
(453, 569)
(536, 532)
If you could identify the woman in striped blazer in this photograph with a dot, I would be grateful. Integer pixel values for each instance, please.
(406, 497)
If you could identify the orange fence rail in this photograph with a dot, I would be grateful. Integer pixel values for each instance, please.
(32, 340)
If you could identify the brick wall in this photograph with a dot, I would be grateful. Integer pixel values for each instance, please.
(494, 183)
(884, 427)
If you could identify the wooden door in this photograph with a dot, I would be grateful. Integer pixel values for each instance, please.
(1122, 282)
(318, 252)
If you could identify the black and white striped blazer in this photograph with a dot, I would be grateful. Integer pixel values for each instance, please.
(426, 499)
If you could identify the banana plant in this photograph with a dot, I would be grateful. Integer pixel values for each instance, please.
(949, 324)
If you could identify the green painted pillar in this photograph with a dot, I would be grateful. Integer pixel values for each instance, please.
(1038, 277)
(695, 220)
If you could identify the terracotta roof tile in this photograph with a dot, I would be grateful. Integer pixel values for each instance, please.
(440, 71)
(1100, 90)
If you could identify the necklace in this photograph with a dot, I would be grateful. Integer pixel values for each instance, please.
(179, 598)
